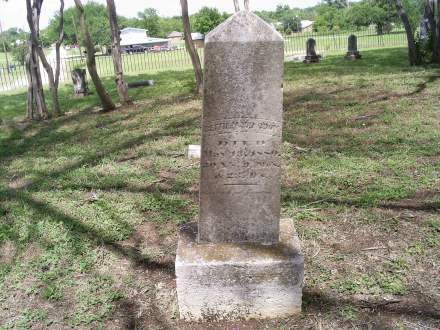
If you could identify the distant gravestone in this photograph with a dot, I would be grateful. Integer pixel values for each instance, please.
(311, 56)
(194, 151)
(353, 53)
(79, 79)
(237, 263)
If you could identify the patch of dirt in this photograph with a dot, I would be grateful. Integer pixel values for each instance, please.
(18, 182)
(167, 175)
(152, 243)
(8, 250)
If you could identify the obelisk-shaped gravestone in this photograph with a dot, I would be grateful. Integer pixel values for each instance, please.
(241, 261)
(241, 133)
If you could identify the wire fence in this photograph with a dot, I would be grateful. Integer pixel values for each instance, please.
(14, 76)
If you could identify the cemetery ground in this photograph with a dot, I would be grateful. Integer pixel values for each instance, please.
(90, 203)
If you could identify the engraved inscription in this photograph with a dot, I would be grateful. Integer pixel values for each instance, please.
(240, 162)
(258, 126)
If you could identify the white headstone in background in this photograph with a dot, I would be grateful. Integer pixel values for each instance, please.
(194, 151)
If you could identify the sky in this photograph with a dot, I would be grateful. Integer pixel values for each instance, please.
(13, 12)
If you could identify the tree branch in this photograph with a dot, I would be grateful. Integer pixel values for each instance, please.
(246, 5)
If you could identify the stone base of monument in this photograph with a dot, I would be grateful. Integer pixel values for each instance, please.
(353, 56)
(239, 281)
(312, 59)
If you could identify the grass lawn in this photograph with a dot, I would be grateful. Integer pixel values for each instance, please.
(90, 203)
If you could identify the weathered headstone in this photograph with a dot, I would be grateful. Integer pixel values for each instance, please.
(311, 56)
(353, 53)
(237, 263)
(241, 133)
(79, 79)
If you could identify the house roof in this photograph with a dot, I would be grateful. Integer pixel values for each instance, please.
(197, 36)
(306, 23)
(141, 41)
(134, 36)
(175, 34)
(133, 30)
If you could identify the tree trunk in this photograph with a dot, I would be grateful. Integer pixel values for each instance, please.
(195, 59)
(246, 5)
(58, 56)
(413, 54)
(117, 54)
(33, 18)
(436, 33)
(30, 94)
(77, 39)
(237, 6)
(106, 101)
(35, 87)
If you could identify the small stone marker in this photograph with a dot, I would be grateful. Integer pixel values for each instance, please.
(79, 79)
(240, 261)
(194, 151)
(353, 53)
(311, 56)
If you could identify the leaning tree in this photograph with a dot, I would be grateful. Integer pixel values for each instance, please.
(431, 24)
(121, 85)
(106, 100)
(414, 55)
(195, 59)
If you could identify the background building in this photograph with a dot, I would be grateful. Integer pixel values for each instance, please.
(135, 39)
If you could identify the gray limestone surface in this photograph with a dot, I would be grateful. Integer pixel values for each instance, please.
(241, 132)
(239, 281)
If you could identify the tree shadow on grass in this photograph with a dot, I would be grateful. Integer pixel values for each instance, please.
(13, 105)
(75, 226)
(48, 134)
(419, 89)
(85, 232)
(317, 301)
(410, 203)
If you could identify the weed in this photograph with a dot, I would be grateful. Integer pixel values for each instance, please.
(349, 313)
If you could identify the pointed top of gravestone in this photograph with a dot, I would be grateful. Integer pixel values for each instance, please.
(243, 26)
